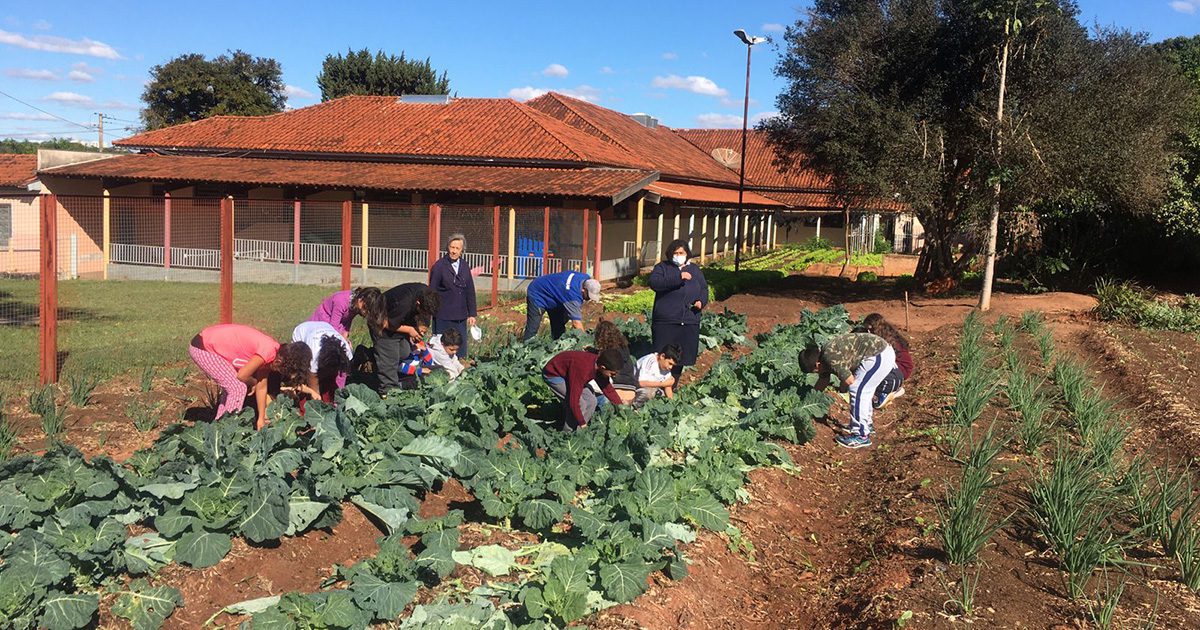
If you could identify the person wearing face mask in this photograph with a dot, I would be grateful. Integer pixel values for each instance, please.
(680, 295)
(451, 278)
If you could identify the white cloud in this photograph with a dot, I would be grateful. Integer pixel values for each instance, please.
(70, 98)
(81, 76)
(582, 92)
(29, 73)
(50, 43)
(293, 91)
(694, 84)
(771, 27)
(606, 70)
(730, 121)
(1186, 6)
(555, 70)
(24, 116)
(670, 56)
(41, 25)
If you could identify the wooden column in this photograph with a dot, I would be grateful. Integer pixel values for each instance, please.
(691, 233)
(641, 213)
(661, 212)
(599, 240)
(296, 241)
(48, 289)
(227, 260)
(106, 230)
(495, 256)
(583, 260)
(347, 242)
(545, 239)
(435, 235)
(703, 236)
(675, 225)
(167, 233)
(365, 238)
(512, 245)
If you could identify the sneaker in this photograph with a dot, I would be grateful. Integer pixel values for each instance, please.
(853, 441)
(890, 397)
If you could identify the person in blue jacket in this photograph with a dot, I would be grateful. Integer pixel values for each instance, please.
(451, 278)
(559, 295)
(680, 295)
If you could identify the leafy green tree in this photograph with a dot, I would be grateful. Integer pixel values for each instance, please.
(900, 97)
(10, 145)
(1180, 214)
(191, 87)
(382, 75)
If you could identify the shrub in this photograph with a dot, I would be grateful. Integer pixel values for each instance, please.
(1129, 303)
(868, 277)
(882, 244)
(815, 243)
(906, 282)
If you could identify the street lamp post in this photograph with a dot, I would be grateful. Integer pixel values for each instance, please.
(749, 41)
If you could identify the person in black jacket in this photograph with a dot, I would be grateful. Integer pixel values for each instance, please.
(680, 295)
(451, 278)
(410, 307)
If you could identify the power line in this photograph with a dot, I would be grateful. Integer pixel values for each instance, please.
(89, 128)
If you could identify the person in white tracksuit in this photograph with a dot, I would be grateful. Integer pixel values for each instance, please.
(861, 362)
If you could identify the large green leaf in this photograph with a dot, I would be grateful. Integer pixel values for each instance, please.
(202, 549)
(654, 492)
(168, 490)
(33, 560)
(433, 447)
(493, 559)
(147, 607)
(440, 546)
(147, 553)
(173, 524)
(624, 581)
(252, 606)
(266, 517)
(384, 600)
(706, 511)
(302, 513)
(540, 513)
(392, 518)
(63, 611)
(15, 510)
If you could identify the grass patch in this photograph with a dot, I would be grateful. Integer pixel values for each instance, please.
(1129, 303)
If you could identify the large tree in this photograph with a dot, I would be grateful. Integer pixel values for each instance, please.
(379, 74)
(190, 87)
(899, 97)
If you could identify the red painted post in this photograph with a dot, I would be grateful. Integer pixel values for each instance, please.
(227, 260)
(296, 232)
(584, 259)
(596, 260)
(48, 285)
(496, 256)
(545, 239)
(347, 244)
(435, 234)
(167, 230)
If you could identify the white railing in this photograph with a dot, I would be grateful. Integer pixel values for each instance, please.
(392, 258)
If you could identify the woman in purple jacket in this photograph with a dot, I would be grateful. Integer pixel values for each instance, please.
(451, 278)
(340, 309)
(680, 294)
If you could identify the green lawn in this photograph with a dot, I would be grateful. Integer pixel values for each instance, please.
(112, 327)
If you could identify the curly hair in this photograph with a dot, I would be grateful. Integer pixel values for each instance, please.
(609, 336)
(880, 327)
(293, 362)
(427, 305)
(374, 306)
(331, 359)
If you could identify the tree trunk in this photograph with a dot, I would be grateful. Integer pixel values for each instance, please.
(989, 269)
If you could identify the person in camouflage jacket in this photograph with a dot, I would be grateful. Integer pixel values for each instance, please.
(861, 362)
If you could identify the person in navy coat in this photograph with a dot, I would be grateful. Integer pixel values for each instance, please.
(451, 278)
(680, 295)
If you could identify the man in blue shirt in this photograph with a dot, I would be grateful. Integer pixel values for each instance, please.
(559, 295)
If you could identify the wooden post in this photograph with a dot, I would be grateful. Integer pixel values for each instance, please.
(167, 234)
(725, 240)
(495, 256)
(512, 245)
(641, 213)
(675, 225)
(599, 240)
(366, 222)
(296, 241)
(906, 328)
(583, 260)
(347, 242)
(818, 237)
(106, 229)
(227, 260)
(48, 289)
(435, 234)
(691, 234)
(545, 239)
(658, 249)
(703, 236)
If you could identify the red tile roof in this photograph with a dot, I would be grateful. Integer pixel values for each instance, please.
(723, 197)
(465, 128)
(667, 151)
(17, 169)
(605, 183)
(760, 162)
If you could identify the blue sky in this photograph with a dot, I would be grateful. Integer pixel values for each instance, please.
(675, 60)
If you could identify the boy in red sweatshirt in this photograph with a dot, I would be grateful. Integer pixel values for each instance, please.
(568, 374)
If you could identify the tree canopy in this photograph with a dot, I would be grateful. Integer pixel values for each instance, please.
(899, 97)
(11, 145)
(379, 74)
(191, 87)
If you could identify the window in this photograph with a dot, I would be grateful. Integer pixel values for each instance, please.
(5, 224)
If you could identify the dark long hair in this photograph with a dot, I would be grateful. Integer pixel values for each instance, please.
(880, 327)
(331, 359)
(427, 305)
(293, 361)
(674, 245)
(374, 307)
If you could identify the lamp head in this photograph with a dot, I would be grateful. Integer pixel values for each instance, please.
(747, 39)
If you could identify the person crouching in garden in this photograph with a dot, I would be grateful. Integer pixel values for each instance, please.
(892, 386)
(241, 359)
(861, 362)
(340, 309)
(680, 295)
(331, 356)
(559, 296)
(568, 374)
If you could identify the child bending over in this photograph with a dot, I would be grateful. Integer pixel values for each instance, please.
(444, 350)
(892, 386)
(860, 361)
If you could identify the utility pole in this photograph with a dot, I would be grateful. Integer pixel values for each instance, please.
(100, 129)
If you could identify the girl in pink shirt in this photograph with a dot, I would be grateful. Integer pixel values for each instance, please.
(241, 359)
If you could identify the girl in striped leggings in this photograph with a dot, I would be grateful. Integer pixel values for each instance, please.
(241, 359)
